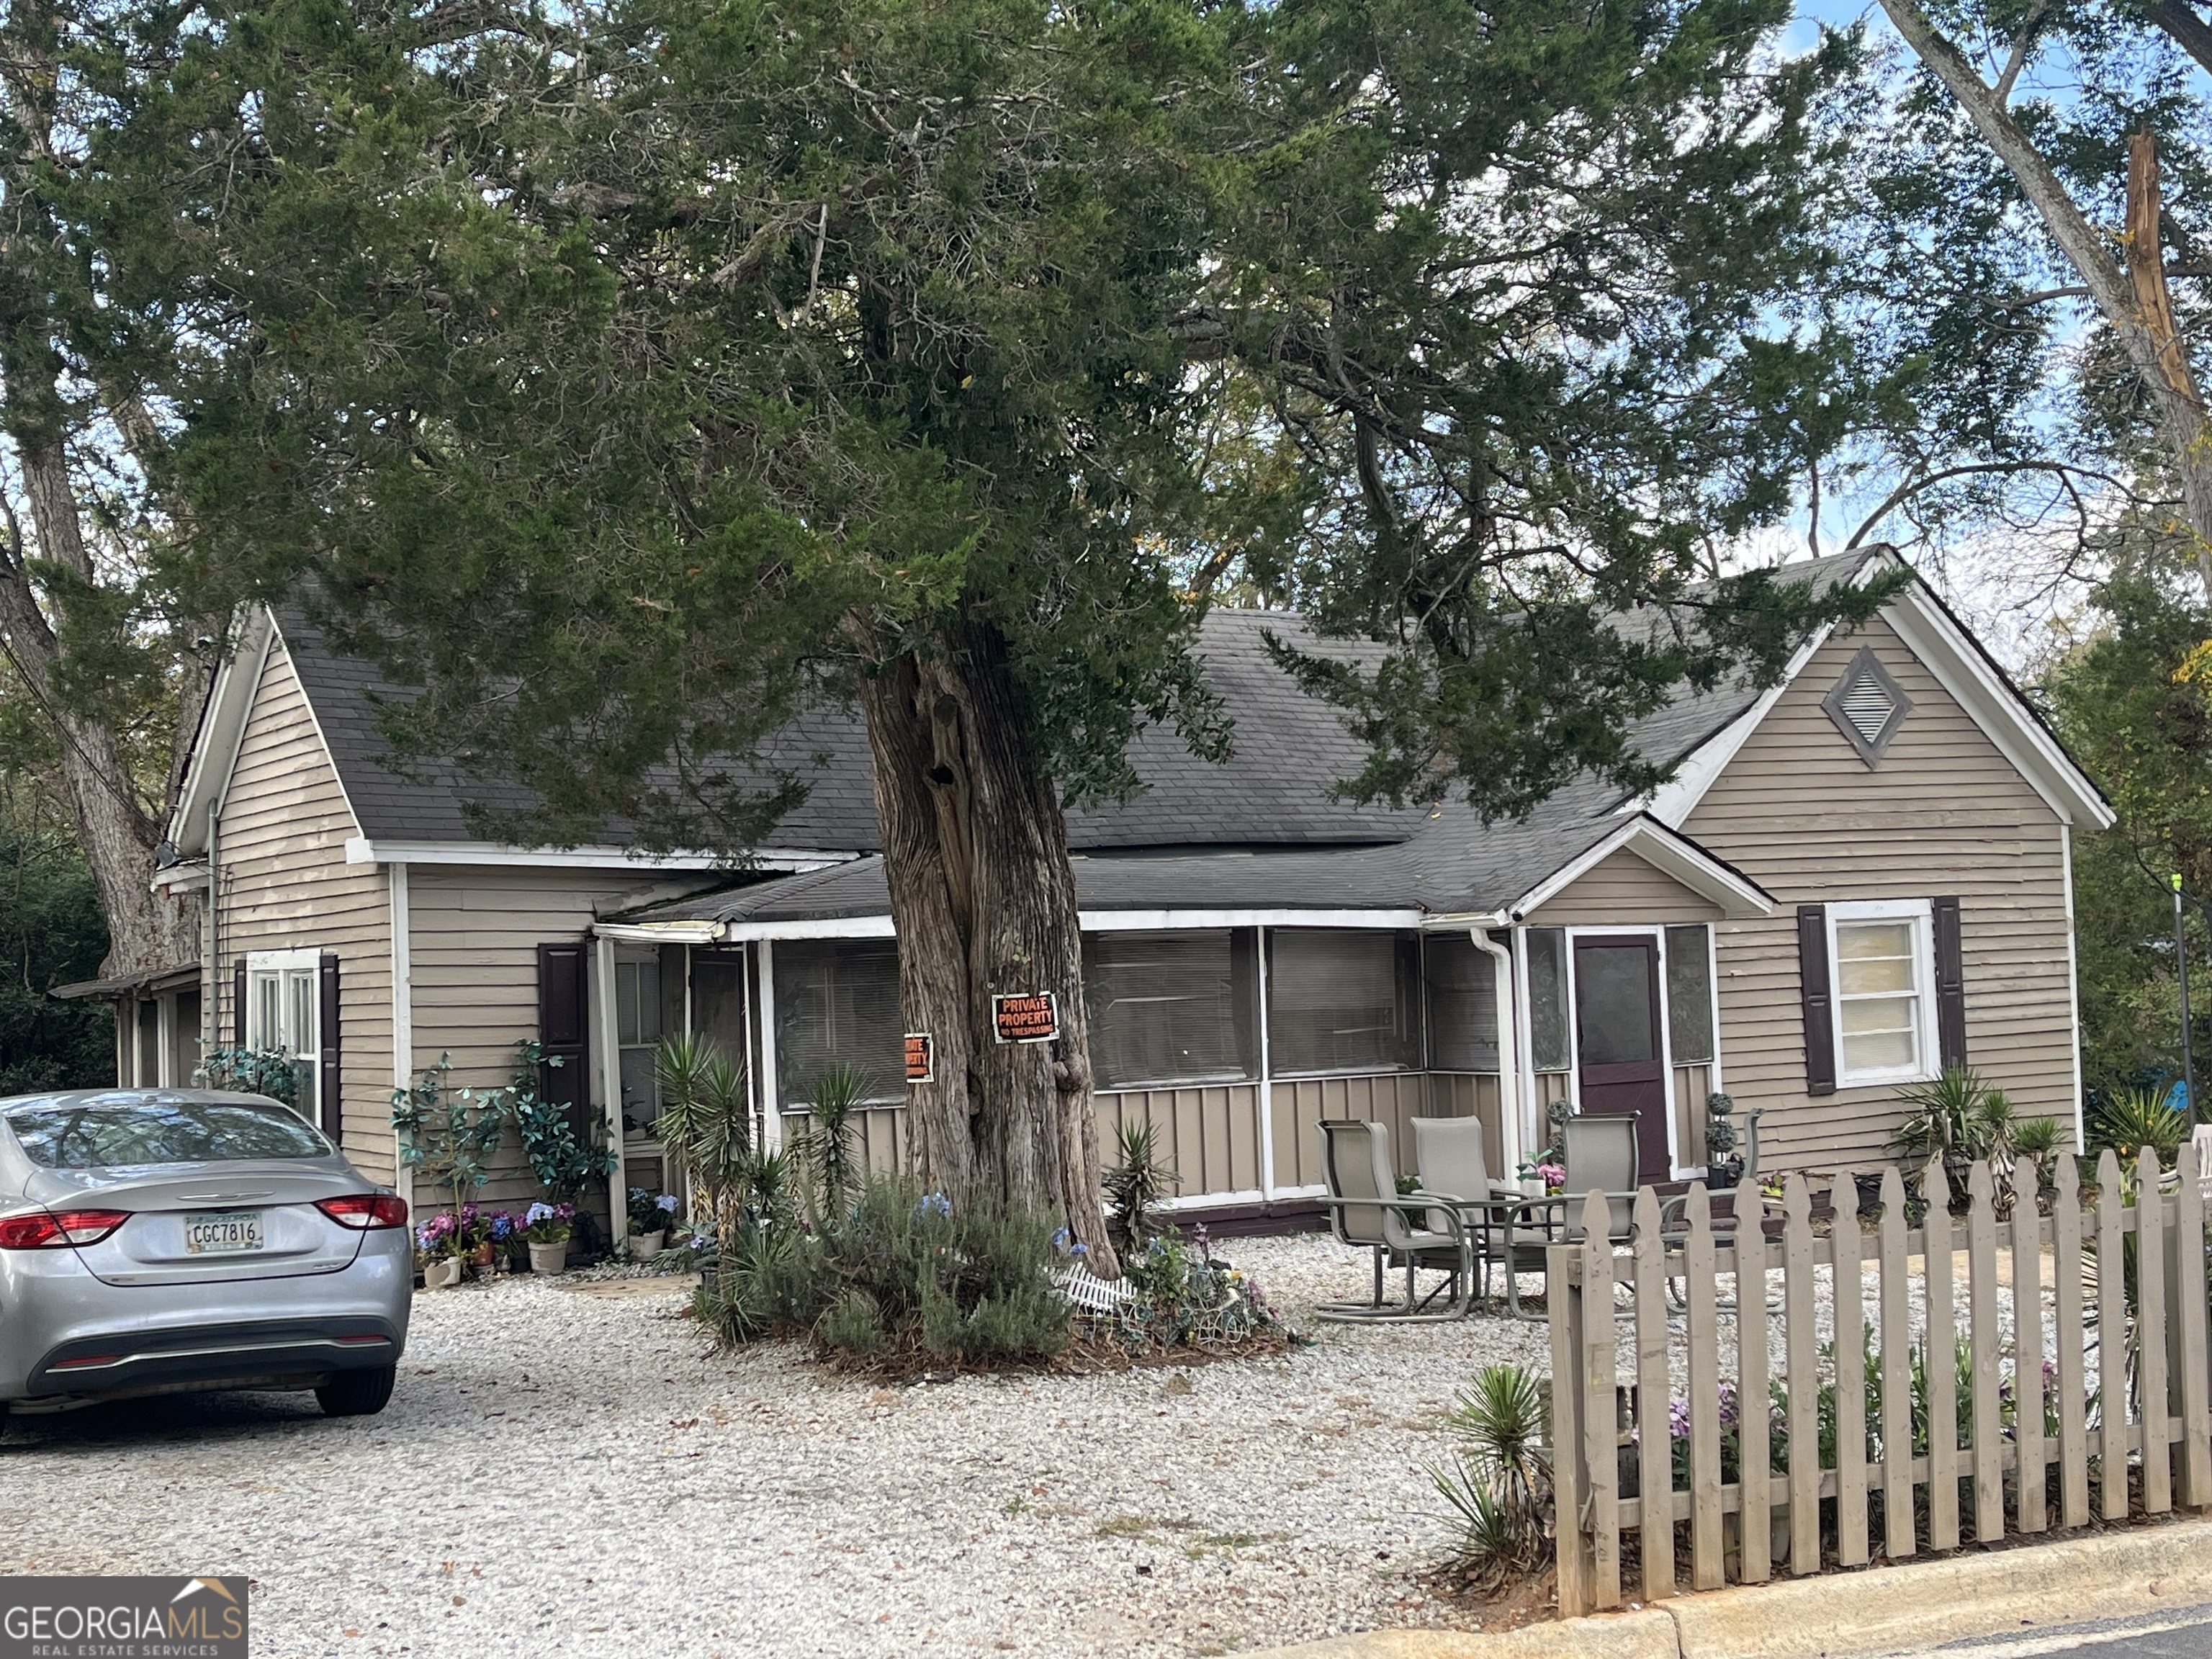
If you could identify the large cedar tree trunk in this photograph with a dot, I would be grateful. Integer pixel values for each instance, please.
(975, 850)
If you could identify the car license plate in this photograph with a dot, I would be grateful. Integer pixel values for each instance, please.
(223, 1233)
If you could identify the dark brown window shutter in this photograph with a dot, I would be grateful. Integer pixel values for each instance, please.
(563, 1031)
(327, 1092)
(1950, 986)
(237, 1005)
(1820, 1007)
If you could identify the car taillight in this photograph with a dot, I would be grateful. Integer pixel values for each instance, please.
(58, 1229)
(364, 1210)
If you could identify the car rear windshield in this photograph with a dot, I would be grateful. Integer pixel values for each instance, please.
(95, 1134)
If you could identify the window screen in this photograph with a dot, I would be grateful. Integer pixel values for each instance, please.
(1341, 1000)
(637, 1034)
(837, 1004)
(1548, 999)
(1462, 1006)
(1171, 1007)
(1689, 995)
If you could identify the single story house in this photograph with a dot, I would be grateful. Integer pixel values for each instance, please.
(1856, 876)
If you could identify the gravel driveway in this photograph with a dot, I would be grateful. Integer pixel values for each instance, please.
(566, 1470)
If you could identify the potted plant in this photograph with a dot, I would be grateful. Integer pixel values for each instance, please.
(509, 1251)
(438, 1239)
(473, 1235)
(649, 1216)
(565, 1162)
(1721, 1171)
(547, 1227)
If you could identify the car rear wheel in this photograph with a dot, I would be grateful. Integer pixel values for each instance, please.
(357, 1393)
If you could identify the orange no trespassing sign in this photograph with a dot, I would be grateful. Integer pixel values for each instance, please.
(1031, 1017)
(920, 1058)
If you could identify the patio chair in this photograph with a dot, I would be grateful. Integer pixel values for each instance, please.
(1366, 1211)
(1600, 1156)
(1449, 1156)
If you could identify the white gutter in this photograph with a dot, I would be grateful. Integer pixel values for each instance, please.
(1507, 1002)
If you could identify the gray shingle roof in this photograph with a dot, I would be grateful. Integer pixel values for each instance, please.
(1259, 831)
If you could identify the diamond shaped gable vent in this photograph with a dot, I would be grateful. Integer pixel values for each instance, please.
(1866, 705)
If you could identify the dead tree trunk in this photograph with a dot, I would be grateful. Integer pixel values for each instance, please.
(983, 898)
(2129, 295)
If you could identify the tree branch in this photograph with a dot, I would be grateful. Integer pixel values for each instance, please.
(2179, 19)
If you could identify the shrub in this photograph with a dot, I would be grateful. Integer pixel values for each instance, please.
(706, 1124)
(899, 1275)
(270, 1072)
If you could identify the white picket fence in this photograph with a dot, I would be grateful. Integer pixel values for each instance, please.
(2080, 1390)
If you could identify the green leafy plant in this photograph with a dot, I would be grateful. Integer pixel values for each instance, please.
(271, 1072)
(444, 1135)
(1961, 1119)
(2041, 1141)
(1184, 1295)
(564, 1162)
(1498, 1481)
(1135, 1186)
(650, 1211)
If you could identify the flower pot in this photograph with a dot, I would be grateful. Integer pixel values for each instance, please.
(1719, 1177)
(550, 1258)
(643, 1247)
(441, 1274)
(482, 1256)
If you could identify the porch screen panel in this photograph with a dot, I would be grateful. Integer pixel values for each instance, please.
(1172, 1007)
(837, 1003)
(1343, 1001)
(1462, 986)
(1548, 1047)
(1690, 996)
(718, 1002)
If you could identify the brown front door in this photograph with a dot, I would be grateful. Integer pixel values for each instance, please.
(1622, 1068)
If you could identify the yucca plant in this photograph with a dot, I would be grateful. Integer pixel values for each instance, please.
(1498, 1481)
(1135, 1186)
(825, 1147)
(1960, 1119)
(2041, 1141)
(2128, 1119)
(706, 1122)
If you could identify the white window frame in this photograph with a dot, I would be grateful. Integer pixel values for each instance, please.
(285, 969)
(1920, 914)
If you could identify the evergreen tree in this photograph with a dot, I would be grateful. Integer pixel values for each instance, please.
(627, 384)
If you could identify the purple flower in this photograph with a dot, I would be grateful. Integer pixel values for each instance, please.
(1678, 1419)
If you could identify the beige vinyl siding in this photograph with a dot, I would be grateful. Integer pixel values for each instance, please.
(286, 887)
(1207, 1133)
(473, 934)
(1623, 891)
(1391, 1099)
(1944, 813)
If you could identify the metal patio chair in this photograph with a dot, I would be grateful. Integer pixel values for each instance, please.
(1601, 1156)
(1365, 1210)
(1450, 1159)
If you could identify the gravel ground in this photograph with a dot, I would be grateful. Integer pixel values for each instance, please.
(573, 1471)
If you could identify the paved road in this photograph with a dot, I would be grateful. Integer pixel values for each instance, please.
(2184, 1633)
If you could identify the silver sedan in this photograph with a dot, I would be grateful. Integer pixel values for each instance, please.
(162, 1241)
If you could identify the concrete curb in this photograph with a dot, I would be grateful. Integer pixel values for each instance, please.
(1887, 1610)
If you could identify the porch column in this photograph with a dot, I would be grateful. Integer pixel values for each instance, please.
(610, 1052)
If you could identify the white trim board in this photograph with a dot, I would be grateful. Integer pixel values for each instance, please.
(1668, 853)
(221, 729)
(363, 849)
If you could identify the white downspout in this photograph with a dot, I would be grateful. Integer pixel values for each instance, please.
(211, 1023)
(1510, 1106)
(610, 1052)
